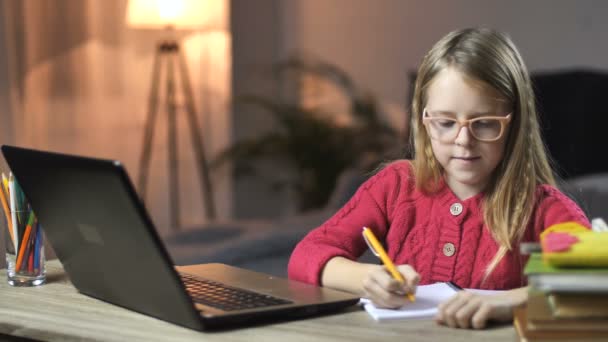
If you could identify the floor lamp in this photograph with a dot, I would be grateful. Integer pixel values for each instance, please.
(170, 61)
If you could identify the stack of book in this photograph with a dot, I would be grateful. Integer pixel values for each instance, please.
(564, 303)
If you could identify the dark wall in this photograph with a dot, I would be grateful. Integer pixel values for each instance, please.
(255, 27)
(574, 117)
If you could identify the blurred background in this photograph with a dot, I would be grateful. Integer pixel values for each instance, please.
(76, 77)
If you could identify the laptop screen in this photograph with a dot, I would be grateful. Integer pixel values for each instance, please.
(101, 232)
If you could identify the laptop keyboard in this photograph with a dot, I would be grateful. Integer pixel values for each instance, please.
(226, 298)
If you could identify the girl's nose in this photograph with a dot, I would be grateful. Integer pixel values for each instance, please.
(464, 136)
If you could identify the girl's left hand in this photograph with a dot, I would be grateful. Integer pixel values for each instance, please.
(469, 310)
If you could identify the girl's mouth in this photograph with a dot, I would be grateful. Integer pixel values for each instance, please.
(466, 159)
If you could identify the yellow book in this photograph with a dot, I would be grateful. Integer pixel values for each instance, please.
(570, 244)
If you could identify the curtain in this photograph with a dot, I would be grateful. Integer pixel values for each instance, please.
(75, 79)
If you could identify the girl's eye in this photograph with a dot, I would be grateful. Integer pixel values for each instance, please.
(486, 123)
(445, 123)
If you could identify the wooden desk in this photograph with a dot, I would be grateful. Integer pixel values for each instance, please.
(57, 312)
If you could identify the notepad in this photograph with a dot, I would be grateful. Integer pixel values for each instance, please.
(428, 297)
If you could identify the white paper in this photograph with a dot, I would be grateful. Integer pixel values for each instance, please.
(428, 298)
(484, 292)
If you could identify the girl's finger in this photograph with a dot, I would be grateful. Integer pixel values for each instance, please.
(481, 316)
(412, 278)
(386, 281)
(381, 297)
(448, 309)
(464, 315)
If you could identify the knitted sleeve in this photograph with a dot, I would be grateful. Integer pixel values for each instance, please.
(555, 207)
(341, 234)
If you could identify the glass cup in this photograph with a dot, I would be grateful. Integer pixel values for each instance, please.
(24, 242)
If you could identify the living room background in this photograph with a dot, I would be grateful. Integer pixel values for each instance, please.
(74, 78)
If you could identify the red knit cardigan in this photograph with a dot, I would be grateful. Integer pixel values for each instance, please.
(442, 237)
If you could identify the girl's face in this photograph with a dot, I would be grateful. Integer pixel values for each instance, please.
(467, 161)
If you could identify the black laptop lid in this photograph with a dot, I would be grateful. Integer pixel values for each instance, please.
(101, 232)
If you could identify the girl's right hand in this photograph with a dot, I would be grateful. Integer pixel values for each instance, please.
(385, 291)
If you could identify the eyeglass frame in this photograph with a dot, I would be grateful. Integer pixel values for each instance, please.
(504, 121)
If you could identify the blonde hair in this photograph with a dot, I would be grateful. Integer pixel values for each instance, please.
(491, 58)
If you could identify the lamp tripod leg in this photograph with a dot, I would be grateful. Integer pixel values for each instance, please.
(172, 150)
(166, 54)
(197, 141)
(144, 161)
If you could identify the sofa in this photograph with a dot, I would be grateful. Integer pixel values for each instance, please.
(263, 246)
(573, 118)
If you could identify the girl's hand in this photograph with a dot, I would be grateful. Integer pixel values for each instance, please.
(468, 310)
(385, 291)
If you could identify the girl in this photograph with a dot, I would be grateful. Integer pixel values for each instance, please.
(479, 185)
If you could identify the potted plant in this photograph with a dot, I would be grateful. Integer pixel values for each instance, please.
(308, 140)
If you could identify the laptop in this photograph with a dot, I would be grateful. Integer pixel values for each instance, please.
(107, 243)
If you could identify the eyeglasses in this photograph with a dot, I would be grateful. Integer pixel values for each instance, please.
(484, 128)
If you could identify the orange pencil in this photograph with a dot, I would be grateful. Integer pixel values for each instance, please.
(22, 246)
(24, 242)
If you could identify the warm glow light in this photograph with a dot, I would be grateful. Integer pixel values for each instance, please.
(170, 10)
(181, 14)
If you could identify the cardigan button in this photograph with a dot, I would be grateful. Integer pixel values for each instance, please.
(449, 249)
(456, 209)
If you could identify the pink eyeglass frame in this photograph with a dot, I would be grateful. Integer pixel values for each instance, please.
(504, 120)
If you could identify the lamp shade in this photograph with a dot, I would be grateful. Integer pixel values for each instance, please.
(179, 14)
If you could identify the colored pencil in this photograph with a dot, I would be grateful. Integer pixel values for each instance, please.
(23, 247)
(30, 260)
(31, 248)
(24, 243)
(7, 213)
(37, 247)
(13, 206)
